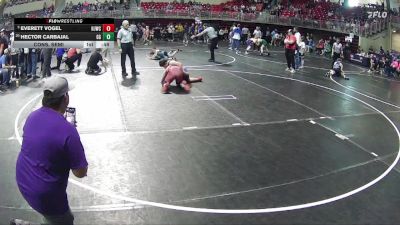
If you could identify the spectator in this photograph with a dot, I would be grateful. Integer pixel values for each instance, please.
(4, 69)
(302, 51)
(46, 59)
(290, 47)
(257, 33)
(55, 147)
(73, 55)
(59, 55)
(245, 34)
(32, 63)
(237, 34)
(298, 40)
(3, 41)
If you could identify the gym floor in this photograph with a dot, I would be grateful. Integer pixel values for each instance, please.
(251, 144)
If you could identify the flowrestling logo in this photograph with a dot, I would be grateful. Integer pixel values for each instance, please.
(377, 14)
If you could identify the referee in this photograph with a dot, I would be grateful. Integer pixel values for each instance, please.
(213, 37)
(125, 45)
(337, 50)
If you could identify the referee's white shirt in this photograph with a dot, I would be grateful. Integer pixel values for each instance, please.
(210, 31)
(337, 48)
(125, 35)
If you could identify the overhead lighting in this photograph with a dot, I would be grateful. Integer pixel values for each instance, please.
(353, 3)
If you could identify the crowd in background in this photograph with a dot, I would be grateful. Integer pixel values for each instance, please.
(179, 32)
(18, 2)
(86, 7)
(45, 12)
(23, 63)
(25, 60)
(381, 61)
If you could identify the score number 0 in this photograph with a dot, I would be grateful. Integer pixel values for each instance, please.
(108, 27)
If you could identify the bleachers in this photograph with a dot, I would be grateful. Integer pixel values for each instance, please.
(228, 6)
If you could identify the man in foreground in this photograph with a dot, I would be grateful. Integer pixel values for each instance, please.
(51, 147)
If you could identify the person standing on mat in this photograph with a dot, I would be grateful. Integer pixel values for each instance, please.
(213, 40)
(59, 54)
(290, 48)
(125, 45)
(51, 147)
(337, 50)
(297, 60)
(46, 65)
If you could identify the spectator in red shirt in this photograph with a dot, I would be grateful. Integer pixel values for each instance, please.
(290, 48)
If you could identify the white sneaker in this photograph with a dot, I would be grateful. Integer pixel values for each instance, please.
(230, 48)
(246, 53)
(292, 71)
(369, 71)
(287, 69)
(301, 67)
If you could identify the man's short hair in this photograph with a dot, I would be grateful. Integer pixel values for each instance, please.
(49, 101)
(163, 62)
(125, 22)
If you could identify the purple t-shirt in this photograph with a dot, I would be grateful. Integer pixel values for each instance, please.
(50, 148)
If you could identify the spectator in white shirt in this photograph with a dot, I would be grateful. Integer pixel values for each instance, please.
(298, 40)
(302, 51)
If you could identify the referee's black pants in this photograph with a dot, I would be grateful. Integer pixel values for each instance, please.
(335, 57)
(213, 46)
(127, 49)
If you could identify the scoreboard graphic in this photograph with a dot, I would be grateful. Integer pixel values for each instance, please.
(64, 33)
